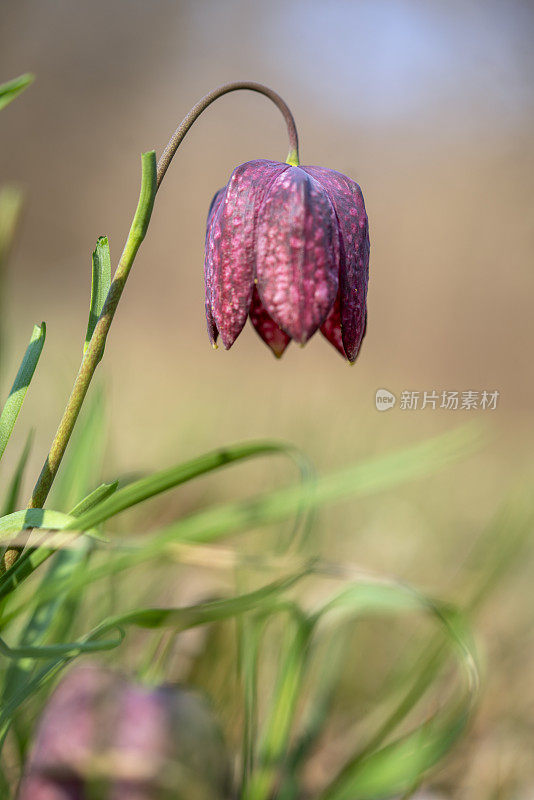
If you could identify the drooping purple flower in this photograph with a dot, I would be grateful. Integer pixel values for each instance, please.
(141, 743)
(289, 247)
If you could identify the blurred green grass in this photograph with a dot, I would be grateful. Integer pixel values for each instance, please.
(459, 533)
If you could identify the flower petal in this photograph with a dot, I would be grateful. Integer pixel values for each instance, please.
(297, 261)
(230, 251)
(347, 199)
(266, 327)
(213, 333)
(331, 328)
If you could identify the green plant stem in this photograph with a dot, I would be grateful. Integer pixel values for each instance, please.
(98, 340)
(152, 177)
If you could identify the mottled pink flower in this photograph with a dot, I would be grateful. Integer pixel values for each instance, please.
(289, 247)
(141, 743)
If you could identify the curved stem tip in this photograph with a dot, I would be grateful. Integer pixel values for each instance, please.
(180, 132)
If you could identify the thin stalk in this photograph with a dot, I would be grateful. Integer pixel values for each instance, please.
(180, 132)
(96, 346)
(152, 177)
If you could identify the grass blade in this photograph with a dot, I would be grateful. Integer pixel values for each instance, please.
(13, 491)
(162, 481)
(12, 88)
(184, 618)
(148, 487)
(179, 618)
(33, 518)
(214, 523)
(275, 733)
(381, 472)
(57, 613)
(13, 404)
(394, 769)
(93, 499)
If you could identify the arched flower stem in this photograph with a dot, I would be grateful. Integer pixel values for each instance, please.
(196, 111)
(152, 176)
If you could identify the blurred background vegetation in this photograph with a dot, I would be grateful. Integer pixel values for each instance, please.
(430, 107)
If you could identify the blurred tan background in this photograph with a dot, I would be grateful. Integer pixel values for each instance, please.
(430, 107)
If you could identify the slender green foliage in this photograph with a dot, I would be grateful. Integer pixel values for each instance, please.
(11, 89)
(24, 376)
(100, 283)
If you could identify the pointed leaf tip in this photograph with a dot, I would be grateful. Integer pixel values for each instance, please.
(100, 283)
(24, 376)
(11, 89)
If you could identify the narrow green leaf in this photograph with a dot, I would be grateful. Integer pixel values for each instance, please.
(11, 500)
(192, 616)
(40, 519)
(12, 497)
(33, 518)
(11, 89)
(315, 717)
(395, 769)
(376, 474)
(42, 678)
(143, 489)
(164, 480)
(276, 731)
(100, 283)
(389, 771)
(249, 639)
(209, 525)
(44, 651)
(147, 195)
(93, 499)
(58, 612)
(13, 404)
(29, 561)
(179, 618)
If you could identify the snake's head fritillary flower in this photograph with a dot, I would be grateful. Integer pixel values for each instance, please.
(140, 743)
(289, 247)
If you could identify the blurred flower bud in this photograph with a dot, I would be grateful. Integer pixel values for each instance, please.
(289, 247)
(102, 736)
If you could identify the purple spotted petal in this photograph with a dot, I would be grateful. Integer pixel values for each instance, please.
(347, 199)
(266, 327)
(297, 254)
(331, 327)
(230, 247)
(208, 268)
